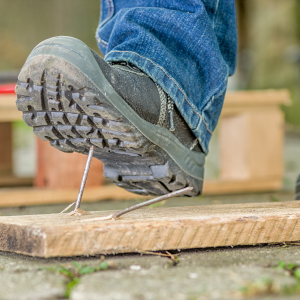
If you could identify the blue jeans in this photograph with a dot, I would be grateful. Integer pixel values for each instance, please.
(187, 47)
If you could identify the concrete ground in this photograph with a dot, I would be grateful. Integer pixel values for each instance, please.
(260, 272)
(238, 273)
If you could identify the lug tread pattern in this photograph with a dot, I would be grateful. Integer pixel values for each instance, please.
(140, 179)
(73, 119)
(59, 113)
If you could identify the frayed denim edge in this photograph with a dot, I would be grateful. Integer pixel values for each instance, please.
(111, 12)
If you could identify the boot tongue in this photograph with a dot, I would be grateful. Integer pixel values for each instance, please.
(134, 86)
(139, 91)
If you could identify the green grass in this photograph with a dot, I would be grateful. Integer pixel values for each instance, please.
(75, 272)
(266, 286)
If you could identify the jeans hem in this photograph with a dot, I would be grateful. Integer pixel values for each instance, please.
(200, 130)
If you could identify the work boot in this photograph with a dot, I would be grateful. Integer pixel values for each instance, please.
(74, 99)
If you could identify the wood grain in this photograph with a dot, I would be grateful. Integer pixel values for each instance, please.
(152, 229)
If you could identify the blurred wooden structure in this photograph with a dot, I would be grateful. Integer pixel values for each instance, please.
(68, 169)
(59, 170)
(8, 114)
(251, 140)
(24, 196)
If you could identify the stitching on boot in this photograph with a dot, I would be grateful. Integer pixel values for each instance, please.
(170, 105)
(130, 71)
(194, 144)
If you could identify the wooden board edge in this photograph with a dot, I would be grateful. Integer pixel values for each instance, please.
(22, 240)
(252, 227)
(11, 180)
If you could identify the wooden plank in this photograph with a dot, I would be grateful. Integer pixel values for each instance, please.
(252, 101)
(8, 101)
(151, 229)
(8, 109)
(257, 98)
(5, 148)
(42, 196)
(9, 112)
(11, 180)
(10, 115)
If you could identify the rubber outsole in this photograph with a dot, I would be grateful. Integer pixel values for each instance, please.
(65, 107)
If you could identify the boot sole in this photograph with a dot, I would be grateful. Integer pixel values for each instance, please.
(69, 102)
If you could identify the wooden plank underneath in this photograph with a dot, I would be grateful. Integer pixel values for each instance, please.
(152, 229)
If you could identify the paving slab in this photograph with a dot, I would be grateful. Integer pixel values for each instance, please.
(28, 285)
(207, 274)
(221, 273)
